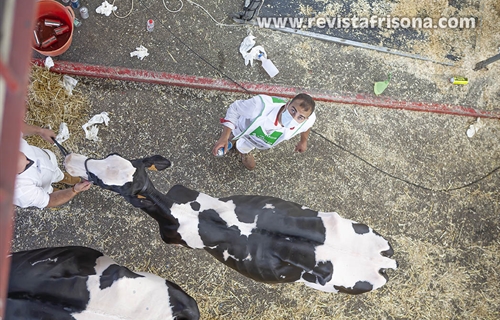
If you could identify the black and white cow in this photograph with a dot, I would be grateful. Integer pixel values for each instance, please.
(264, 238)
(77, 283)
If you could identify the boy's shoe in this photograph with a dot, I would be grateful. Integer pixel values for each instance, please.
(248, 161)
(70, 180)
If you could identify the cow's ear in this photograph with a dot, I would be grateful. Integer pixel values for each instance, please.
(156, 163)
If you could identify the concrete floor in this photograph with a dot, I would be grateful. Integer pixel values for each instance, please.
(190, 42)
(387, 168)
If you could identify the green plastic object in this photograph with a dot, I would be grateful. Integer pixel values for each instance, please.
(380, 86)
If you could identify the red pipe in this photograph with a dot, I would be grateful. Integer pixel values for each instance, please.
(173, 79)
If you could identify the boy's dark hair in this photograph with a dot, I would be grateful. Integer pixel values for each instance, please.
(307, 103)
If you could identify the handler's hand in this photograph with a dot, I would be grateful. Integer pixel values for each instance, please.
(82, 186)
(221, 143)
(47, 135)
(301, 146)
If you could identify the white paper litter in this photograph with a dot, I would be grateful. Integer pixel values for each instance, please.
(69, 84)
(250, 54)
(91, 129)
(49, 63)
(106, 8)
(474, 128)
(247, 44)
(255, 53)
(140, 53)
(63, 134)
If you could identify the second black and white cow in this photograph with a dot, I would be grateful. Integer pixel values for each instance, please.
(265, 238)
(77, 283)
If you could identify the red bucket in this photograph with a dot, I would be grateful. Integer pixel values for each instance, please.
(50, 9)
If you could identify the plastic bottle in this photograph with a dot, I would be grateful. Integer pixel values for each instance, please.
(150, 25)
(269, 66)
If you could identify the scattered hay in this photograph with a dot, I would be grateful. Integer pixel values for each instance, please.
(448, 276)
(433, 281)
(439, 282)
(49, 104)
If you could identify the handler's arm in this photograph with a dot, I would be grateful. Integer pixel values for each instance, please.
(60, 197)
(302, 145)
(46, 134)
(249, 109)
(222, 142)
(241, 108)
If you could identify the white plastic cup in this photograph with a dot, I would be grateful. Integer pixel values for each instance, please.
(269, 66)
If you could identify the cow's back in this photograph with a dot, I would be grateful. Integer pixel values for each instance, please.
(272, 240)
(82, 283)
(264, 238)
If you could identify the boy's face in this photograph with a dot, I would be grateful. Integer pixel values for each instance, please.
(298, 112)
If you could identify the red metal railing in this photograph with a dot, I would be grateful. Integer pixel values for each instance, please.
(14, 72)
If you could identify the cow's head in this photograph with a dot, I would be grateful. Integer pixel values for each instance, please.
(126, 177)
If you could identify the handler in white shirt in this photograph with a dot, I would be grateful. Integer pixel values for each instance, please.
(37, 169)
(262, 122)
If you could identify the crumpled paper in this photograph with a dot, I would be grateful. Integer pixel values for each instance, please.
(255, 53)
(474, 128)
(63, 134)
(91, 129)
(69, 84)
(106, 8)
(247, 44)
(49, 63)
(140, 53)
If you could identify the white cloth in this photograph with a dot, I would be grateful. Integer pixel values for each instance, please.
(33, 186)
(63, 134)
(246, 46)
(91, 130)
(243, 117)
(475, 127)
(69, 84)
(105, 8)
(140, 52)
(49, 63)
